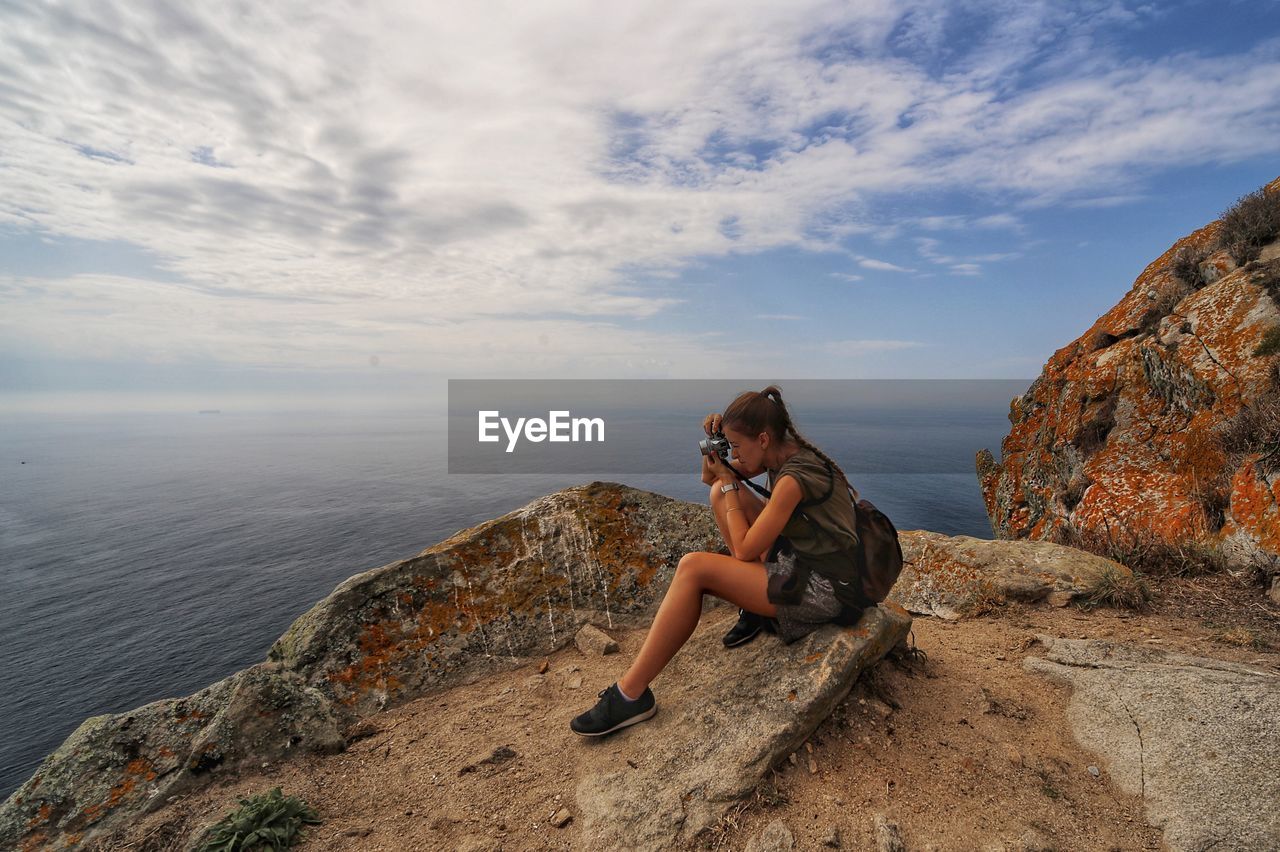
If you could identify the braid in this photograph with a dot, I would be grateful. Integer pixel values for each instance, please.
(788, 427)
(765, 411)
(804, 442)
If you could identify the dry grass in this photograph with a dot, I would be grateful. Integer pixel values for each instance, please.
(1242, 637)
(1186, 266)
(1119, 589)
(1142, 551)
(1255, 430)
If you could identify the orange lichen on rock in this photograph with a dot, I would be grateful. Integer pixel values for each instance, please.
(1255, 506)
(35, 842)
(1119, 435)
(42, 816)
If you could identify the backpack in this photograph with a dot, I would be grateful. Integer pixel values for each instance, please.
(861, 577)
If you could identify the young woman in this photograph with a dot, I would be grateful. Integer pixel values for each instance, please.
(772, 593)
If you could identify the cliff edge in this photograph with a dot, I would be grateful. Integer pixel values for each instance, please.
(1156, 427)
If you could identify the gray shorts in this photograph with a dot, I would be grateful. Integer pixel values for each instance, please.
(817, 606)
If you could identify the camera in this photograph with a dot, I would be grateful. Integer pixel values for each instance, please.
(717, 444)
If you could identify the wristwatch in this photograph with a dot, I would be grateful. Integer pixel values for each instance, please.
(728, 486)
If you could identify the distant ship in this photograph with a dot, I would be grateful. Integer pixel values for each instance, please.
(210, 411)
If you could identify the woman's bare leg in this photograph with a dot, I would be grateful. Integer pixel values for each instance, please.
(742, 583)
(751, 505)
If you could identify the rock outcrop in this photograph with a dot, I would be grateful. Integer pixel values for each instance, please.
(1160, 721)
(492, 596)
(1124, 432)
(725, 720)
(953, 576)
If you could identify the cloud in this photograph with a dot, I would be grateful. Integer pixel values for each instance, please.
(966, 265)
(458, 167)
(845, 276)
(881, 265)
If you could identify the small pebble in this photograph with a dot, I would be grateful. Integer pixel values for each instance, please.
(562, 817)
(1093, 770)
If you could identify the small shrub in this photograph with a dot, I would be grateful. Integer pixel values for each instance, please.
(1165, 301)
(1094, 431)
(983, 599)
(266, 821)
(1186, 266)
(771, 795)
(1256, 430)
(1270, 343)
(1267, 276)
(1121, 589)
(1243, 637)
(1074, 492)
(1249, 224)
(1143, 552)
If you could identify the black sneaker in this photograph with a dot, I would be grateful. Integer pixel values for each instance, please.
(613, 712)
(748, 627)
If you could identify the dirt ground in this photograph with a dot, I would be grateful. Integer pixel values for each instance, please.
(962, 750)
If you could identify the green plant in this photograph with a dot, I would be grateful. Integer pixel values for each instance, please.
(1249, 224)
(1112, 587)
(1270, 343)
(266, 821)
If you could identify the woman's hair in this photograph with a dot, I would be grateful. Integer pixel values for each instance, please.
(752, 413)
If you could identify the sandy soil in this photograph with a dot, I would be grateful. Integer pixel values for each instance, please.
(963, 750)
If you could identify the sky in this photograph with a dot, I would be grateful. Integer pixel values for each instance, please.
(236, 201)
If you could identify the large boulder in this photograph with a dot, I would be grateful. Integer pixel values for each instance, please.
(1120, 436)
(952, 576)
(724, 721)
(494, 595)
(489, 597)
(1194, 737)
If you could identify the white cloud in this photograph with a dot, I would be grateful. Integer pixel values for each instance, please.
(426, 175)
(967, 265)
(881, 265)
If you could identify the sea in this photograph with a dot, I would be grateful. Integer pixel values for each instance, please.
(146, 556)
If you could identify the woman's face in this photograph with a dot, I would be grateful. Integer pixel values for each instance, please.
(748, 451)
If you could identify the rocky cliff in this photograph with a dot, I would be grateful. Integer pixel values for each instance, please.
(489, 598)
(1157, 425)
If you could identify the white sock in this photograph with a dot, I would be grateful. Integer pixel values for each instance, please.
(624, 695)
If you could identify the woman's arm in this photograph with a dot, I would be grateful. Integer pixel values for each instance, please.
(749, 541)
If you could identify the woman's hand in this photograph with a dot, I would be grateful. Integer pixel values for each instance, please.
(708, 472)
(712, 424)
(719, 468)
